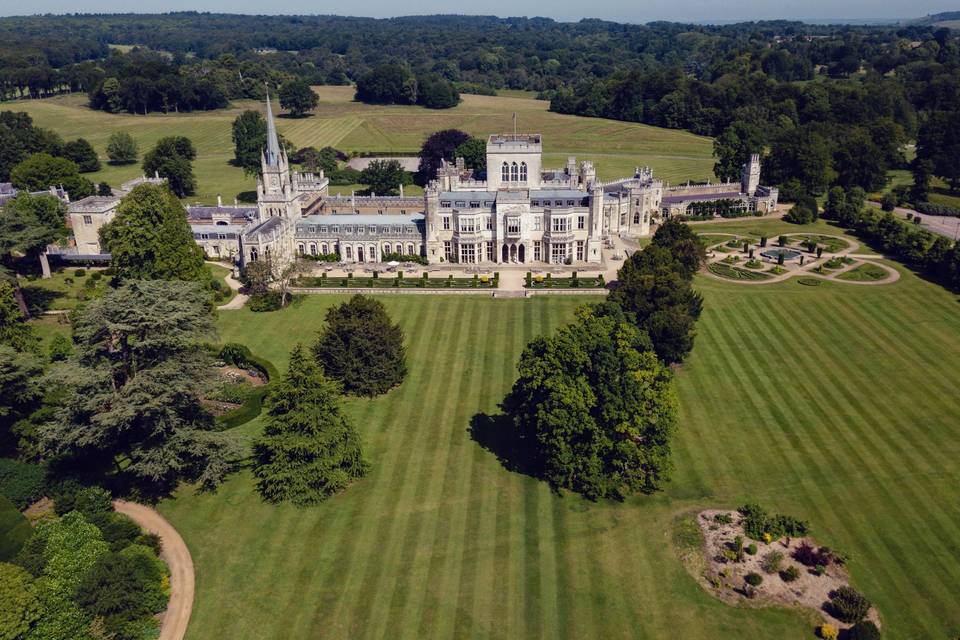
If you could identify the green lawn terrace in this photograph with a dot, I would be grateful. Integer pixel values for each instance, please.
(616, 148)
(854, 430)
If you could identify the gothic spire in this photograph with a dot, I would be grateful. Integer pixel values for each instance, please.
(273, 144)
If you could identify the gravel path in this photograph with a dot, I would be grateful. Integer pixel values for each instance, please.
(173, 625)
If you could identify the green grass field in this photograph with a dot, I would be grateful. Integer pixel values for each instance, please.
(615, 147)
(837, 404)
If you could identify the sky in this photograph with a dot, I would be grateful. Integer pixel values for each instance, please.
(566, 10)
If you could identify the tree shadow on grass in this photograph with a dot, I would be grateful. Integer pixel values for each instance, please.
(498, 435)
(40, 299)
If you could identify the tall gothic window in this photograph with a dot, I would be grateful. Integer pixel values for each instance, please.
(505, 172)
(523, 172)
(514, 173)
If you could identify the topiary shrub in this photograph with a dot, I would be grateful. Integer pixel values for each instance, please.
(79, 273)
(848, 605)
(753, 579)
(751, 549)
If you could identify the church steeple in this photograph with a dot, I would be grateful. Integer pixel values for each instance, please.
(272, 154)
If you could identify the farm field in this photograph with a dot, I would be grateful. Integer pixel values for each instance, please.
(615, 147)
(813, 401)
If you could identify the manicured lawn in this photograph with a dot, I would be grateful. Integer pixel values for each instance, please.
(837, 404)
(615, 147)
(64, 290)
(864, 273)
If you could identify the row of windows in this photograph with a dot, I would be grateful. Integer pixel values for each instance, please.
(214, 236)
(470, 224)
(403, 212)
(475, 204)
(324, 248)
(559, 251)
(513, 172)
(361, 229)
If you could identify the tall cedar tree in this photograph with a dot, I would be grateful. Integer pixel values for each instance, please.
(132, 402)
(150, 238)
(595, 408)
(438, 147)
(309, 449)
(361, 349)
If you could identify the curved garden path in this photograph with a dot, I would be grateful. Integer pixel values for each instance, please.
(173, 624)
(239, 299)
(808, 269)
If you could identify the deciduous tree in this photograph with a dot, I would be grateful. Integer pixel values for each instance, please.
(122, 148)
(438, 147)
(595, 408)
(81, 152)
(297, 97)
(150, 238)
(172, 158)
(41, 171)
(249, 140)
(384, 177)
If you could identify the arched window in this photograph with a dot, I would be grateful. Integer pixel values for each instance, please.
(313, 248)
(323, 248)
(253, 255)
(514, 173)
(636, 218)
(372, 253)
(523, 172)
(349, 253)
(399, 248)
(300, 248)
(505, 172)
(409, 249)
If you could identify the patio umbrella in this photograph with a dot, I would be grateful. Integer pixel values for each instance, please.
(393, 263)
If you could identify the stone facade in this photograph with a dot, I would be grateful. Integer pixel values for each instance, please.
(521, 214)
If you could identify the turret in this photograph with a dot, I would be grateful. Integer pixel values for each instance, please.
(750, 175)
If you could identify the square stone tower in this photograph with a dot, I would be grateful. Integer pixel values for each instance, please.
(514, 161)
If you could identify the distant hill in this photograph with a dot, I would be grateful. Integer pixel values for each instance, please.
(949, 19)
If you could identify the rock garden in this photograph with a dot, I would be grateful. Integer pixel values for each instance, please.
(754, 558)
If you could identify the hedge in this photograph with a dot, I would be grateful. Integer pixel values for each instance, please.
(934, 209)
(22, 483)
(239, 355)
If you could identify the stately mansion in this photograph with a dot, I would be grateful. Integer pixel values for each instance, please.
(523, 213)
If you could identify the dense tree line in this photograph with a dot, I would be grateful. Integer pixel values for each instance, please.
(934, 255)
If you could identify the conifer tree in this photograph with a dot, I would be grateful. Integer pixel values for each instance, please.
(309, 449)
(361, 348)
